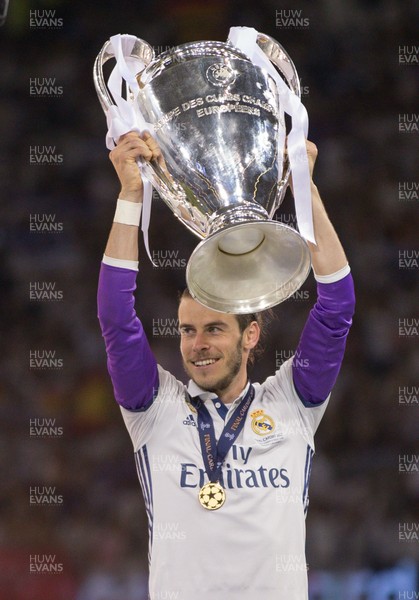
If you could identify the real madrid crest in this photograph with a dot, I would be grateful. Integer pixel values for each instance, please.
(262, 424)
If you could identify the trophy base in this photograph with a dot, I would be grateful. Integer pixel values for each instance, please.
(248, 267)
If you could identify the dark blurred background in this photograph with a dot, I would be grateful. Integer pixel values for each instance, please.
(72, 523)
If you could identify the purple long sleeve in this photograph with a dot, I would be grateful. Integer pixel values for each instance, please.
(131, 364)
(320, 351)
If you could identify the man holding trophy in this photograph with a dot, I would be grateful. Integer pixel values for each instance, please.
(240, 452)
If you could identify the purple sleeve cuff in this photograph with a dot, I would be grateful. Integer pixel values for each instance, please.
(320, 351)
(131, 364)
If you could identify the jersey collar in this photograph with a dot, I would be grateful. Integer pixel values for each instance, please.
(194, 390)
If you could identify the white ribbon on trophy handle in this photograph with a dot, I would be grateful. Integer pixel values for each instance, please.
(125, 115)
(244, 38)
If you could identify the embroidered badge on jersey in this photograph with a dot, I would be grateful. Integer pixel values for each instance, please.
(265, 428)
(262, 424)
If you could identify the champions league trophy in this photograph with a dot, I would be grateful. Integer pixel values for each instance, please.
(219, 119)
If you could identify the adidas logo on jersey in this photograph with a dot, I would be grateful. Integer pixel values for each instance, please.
(189, 421)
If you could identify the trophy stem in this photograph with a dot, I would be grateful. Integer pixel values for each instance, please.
(233, 215)
(248, 267)
(233, 240)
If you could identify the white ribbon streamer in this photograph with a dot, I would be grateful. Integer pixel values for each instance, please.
(125, 114)
(244, 38)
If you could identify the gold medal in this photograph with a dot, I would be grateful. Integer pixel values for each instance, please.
(212, 496)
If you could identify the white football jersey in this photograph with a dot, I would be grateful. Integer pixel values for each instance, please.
(253, 547)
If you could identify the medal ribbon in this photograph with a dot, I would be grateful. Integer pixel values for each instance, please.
(214, 454)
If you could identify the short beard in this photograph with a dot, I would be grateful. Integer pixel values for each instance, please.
(234, 364)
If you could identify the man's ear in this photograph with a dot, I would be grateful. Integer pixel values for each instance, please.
(251, 335)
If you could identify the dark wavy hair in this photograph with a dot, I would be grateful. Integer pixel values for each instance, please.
(263, 319)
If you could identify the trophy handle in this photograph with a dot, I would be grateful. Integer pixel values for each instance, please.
(281, 59)
(144, 53)
(141, 50)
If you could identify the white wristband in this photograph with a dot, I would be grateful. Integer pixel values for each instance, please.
(333, 277)
(128, 213)
(121, 263)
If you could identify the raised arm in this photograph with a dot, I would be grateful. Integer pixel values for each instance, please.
(320, 351)
(123, 239)
(131, 364)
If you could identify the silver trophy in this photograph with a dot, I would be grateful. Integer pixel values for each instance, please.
(218, 118)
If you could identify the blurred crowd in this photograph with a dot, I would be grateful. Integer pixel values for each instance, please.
(61, 429)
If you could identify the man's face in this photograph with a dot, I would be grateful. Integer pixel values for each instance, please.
(211, 345)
